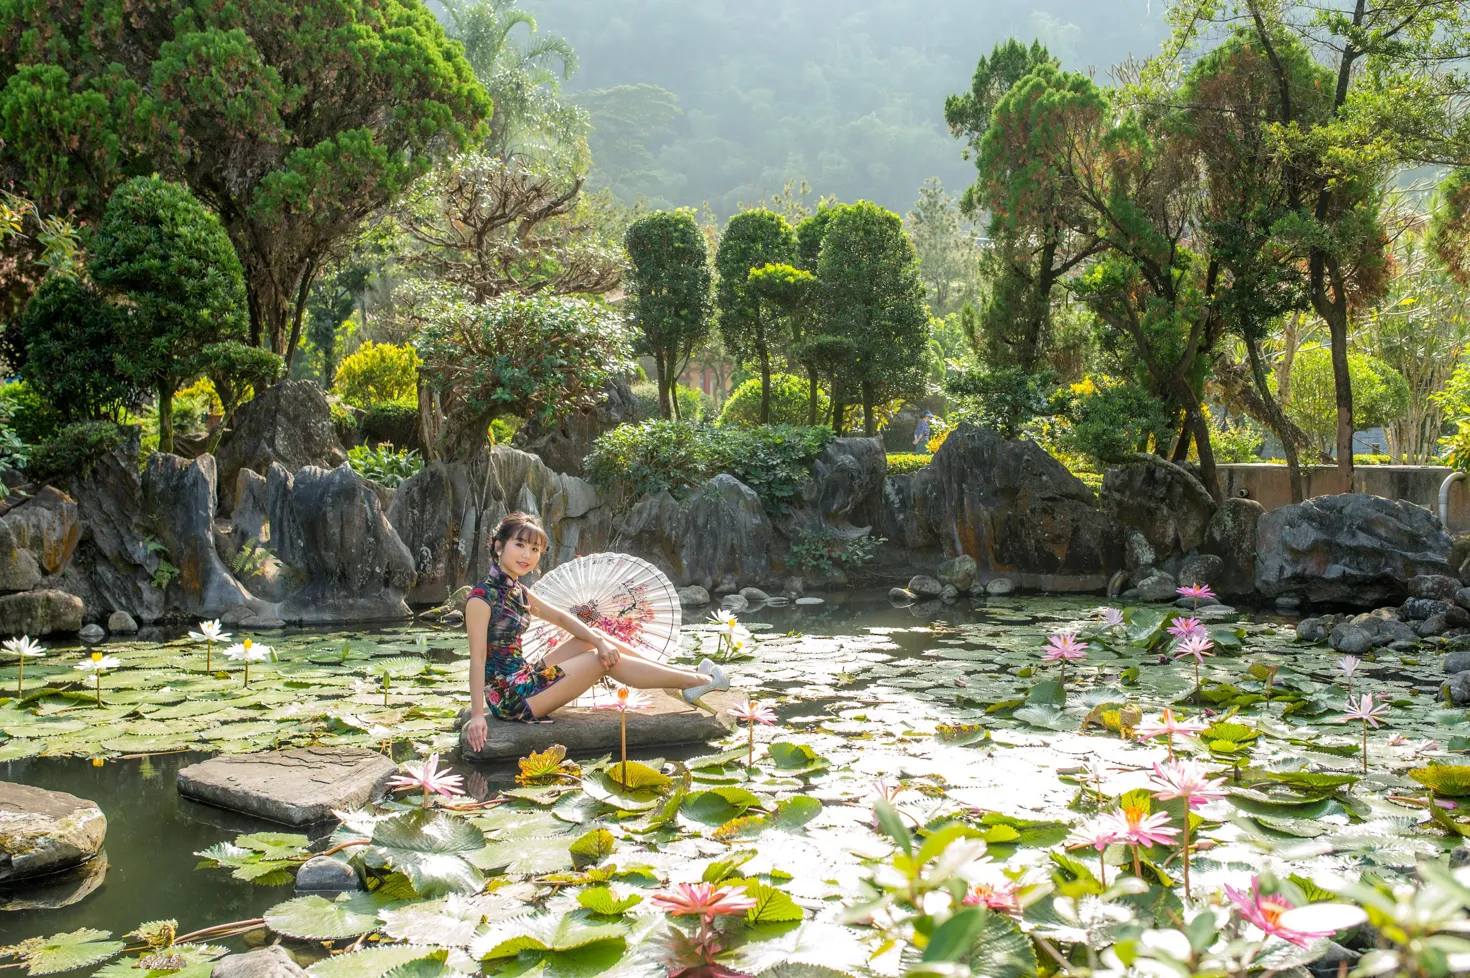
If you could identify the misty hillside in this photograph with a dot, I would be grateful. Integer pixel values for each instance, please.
(724, 100)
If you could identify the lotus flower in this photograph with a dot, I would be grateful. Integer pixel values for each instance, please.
(429, 777)
(209, 633)
(1099, 833)
(25, 649)
(1197, 592)
(1182, 628)
(1112, 617)
(1265, 913)
(705, 900)
(1000, 897)
(753, 713)
(626, 699)
(1362, 708)
(1186, 780)
(1346, 667)
(98, 664)
(249, 652)
(1196, 645)
(1167, 727)
(1140, 827)
(1064, 647)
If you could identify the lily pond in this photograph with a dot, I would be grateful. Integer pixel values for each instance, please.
(935, 797)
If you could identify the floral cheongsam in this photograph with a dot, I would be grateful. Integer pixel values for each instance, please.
(509, 679)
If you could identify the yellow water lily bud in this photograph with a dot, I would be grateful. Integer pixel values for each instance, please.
(96, 656)
(248, 643)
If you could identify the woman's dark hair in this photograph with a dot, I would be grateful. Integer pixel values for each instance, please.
(516, 526)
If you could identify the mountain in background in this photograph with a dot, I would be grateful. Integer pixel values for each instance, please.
(726, 100)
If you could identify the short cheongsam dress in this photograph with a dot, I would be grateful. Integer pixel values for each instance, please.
(509, 679)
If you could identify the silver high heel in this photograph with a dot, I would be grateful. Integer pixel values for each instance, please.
(719, 682)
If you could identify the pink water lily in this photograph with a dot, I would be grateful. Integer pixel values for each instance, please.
(1140, 827)
(624, 700)
(1196, 592)
(753, 713)
(1112, 617)
(1167, 726)
(706, 900)
(1099, 833)
(1182, 628)
(1197, 645)
(1265, 913)
(1064, 647)
(430, 778)
(999, 897)
(1362, 708)
(1189, 781)
(1346, 667)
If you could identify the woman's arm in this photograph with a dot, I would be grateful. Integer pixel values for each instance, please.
(476, 622)
(577, 627)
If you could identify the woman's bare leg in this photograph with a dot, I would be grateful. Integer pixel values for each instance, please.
(675, 677)
(581, 672)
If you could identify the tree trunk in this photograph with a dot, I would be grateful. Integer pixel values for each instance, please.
(765, 358)
(1332, 307)
(870, 429)
(811, 395)
(302, 291)
(838, 408)
(1195, 422)
(1277, 421)
(166, 390)
(1181, 444)
(661, 376)
(430, 421)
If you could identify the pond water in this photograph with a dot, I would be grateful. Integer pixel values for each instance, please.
(950, 710)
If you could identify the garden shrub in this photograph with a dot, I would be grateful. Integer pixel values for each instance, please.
(395, 424)
(1113, 423)
(694, 405)
(73, 450)
(1002, 400)
(378, 373)
(789, 401)
(383, 464)
(25, 413)
(654, 456)
(346, 425)
(1380, 394)
(901, 463)
(825, 551)
(14, 454)
(66, 345)
(503, 429)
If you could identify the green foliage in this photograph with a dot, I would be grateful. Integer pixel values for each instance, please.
(1241, 442)
(1450, 224)
(383, 465)
(869, 293)
(1446, 780)
(826, 551)
(670, 289)
(751, 328)
(790, 400)
(63, 952)
(66, 346)
(73, 450)
(694, 405)
(169, 266)
(238, 372)
(1114, 422)
(394, 424)
(968, 114)
(295, 122)
(1380, 394)
(23, 411)
(345, 423)
(1003, 400)
(655, 456)
(378, 373)
(540, 355)
(902, 463)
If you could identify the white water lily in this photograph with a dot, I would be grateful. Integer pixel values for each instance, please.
(249, 652)
(25, 649)
(209, 633)
(99, 663)
(725, 622)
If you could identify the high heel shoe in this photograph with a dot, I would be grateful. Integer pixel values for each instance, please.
(719, 682)
(707, 666)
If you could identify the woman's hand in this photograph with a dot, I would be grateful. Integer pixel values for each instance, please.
(476, 732)
(606, 654)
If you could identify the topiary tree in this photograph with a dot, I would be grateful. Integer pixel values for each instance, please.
(1450, 225)
(545, 356)
(869, 291)
(750, 330)
(1003, 399)
(790, 398)
(670, 287)
(1380, 394)
(294, 121)
(66, 348)
(167, 263)
(379, 373)
(237, 373)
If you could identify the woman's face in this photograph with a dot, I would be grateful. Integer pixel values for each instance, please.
(519, 555)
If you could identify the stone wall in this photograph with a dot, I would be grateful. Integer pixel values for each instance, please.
(1270, 485)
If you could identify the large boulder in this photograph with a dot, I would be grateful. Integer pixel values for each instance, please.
(1348, 549)
(1008, 504)
(564, 445)
(290, 423)
(46, 525)
(721, 532)
(180, 496)
(446, 512)
(45, 831)
(330, 525)
(1231, 536)
(847, 477)
(18, 568)
(1164, 502)
(295, 787)
(41, 612)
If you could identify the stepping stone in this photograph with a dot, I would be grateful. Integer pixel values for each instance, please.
(295, 787)
(45, 831)
(666, 722)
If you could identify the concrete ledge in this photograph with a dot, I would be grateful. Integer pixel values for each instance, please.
(667, 722)
(1270, 485)
(294, 787)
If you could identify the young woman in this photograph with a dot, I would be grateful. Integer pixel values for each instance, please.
(509, 687)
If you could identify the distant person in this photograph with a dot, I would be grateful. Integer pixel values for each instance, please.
(921, 430)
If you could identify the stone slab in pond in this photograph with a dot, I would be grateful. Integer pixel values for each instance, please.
(666, 722)
(45, 831)
(295, 787)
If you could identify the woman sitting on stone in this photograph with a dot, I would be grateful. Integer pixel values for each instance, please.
(501, 680)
